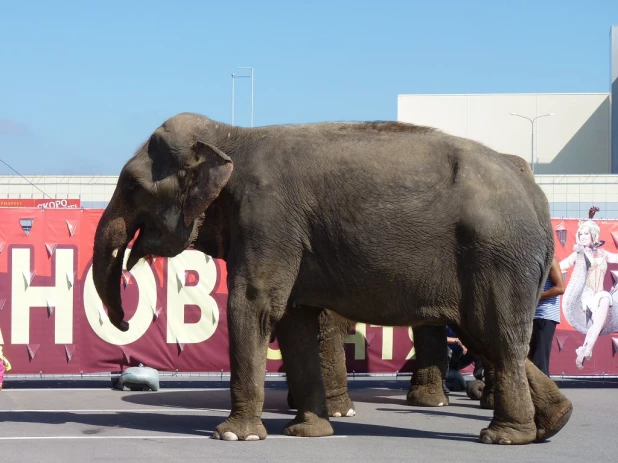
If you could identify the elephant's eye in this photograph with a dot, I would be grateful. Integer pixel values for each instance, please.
(130, 187)
(135, 192)
(133, 187)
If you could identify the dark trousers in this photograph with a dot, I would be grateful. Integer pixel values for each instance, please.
(459, 360)
(541, 343)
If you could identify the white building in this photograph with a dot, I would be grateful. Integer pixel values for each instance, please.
(571, 134)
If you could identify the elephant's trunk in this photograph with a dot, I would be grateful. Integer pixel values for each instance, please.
(114, 232)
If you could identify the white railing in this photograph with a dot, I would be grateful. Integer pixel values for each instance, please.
(570, 196)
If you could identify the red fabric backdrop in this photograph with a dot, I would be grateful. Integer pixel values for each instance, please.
(51, 320)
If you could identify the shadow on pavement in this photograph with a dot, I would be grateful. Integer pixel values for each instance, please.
(203, 425)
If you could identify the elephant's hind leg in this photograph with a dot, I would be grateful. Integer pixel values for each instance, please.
(430, 367)
(513, 420)
(297, 333)
(552, 409)
(502, 333)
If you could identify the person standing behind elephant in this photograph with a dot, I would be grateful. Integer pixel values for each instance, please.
(546, 317)
(459, 358)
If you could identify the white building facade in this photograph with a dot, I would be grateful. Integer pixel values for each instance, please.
(571, 131)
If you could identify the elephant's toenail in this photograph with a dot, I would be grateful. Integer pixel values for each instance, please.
(228, 435)
(486, 439)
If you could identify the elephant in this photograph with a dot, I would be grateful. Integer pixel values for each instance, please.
(382, 222)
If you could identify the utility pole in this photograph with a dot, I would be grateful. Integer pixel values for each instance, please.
(234, 77)
(532, 135)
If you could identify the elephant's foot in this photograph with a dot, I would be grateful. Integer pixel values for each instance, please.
(427, 395)
(551, 419)
(336, 406)
(308, 425)
(239, 429)
(474, 389)
(340, 406)
(487, 399)
(506, 435)
(487, 395)
(552, 409)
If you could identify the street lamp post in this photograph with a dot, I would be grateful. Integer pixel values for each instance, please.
(532, 136)
(234, 76)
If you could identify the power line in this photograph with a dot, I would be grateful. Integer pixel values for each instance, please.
(2, 161)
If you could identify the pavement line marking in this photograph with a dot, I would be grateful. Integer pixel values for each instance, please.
(93, 389)
(22, 438)
(139, 410)
(125, 410)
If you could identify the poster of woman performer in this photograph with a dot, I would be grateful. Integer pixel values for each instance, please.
(587, 305)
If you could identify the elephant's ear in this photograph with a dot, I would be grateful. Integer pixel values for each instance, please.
(208, 174)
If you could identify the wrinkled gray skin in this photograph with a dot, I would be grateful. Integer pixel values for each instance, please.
(384, 223)
(431, 358)
(332, 331)
(431, 353)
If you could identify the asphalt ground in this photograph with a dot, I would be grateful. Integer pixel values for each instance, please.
(51, 421)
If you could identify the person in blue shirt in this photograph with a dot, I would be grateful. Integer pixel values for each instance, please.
(458, 359)
(546, 317)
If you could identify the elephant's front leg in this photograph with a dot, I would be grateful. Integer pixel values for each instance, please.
(297, 333)
(333, 331)
(430, 367)
(487, 397)
(251, 314)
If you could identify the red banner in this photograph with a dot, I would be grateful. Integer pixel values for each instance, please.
(42, 203)
(52, 321)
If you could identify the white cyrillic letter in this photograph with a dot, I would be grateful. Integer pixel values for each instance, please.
(387, 341)
(141, 320)
(179, 295)
(24, 296)
(358, 339)
(412, 353)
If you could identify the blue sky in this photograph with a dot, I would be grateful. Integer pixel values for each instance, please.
(83, 84)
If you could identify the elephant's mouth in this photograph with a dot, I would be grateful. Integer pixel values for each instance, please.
(151, 243)
(197, 225)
